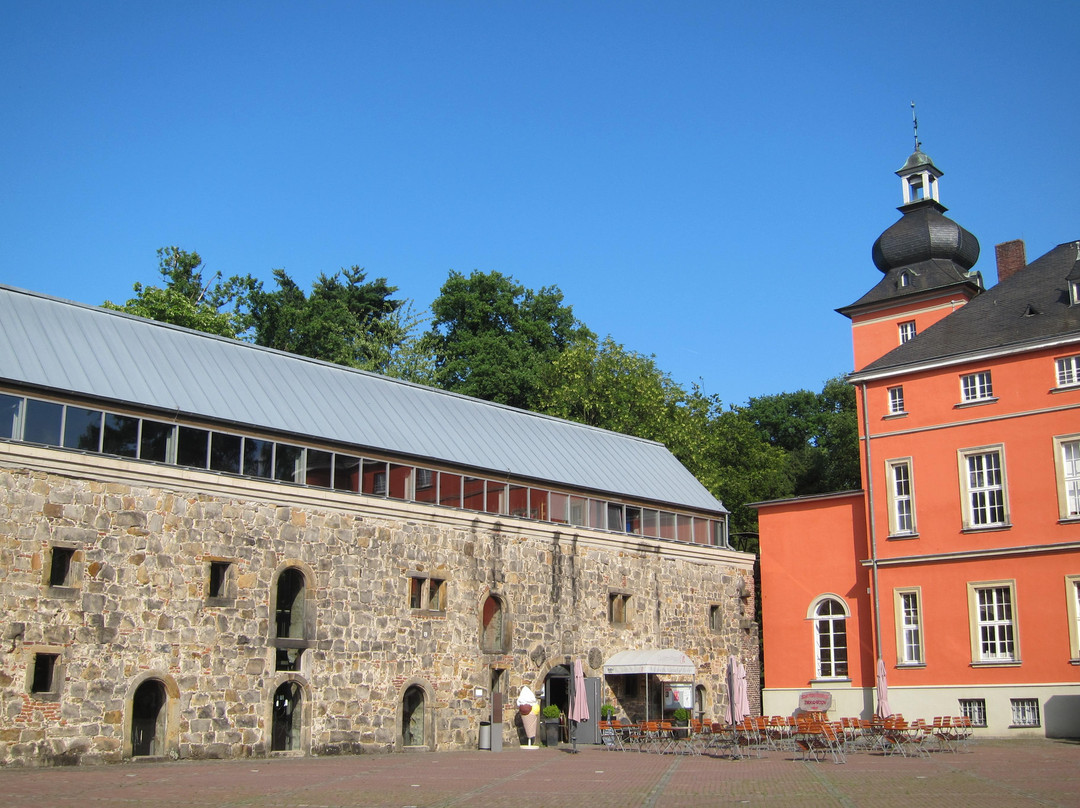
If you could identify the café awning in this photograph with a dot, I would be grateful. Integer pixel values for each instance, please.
(650, 660)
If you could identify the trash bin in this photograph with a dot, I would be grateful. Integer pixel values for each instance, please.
(485, 735)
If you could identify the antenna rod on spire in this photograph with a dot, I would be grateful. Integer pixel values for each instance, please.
(915, 126)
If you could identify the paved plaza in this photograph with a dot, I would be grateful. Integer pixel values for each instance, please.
(994, 774)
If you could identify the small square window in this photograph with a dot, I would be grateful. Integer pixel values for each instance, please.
(62, 566)
(45, 677)
(976, 387)
(1068, 371)
(428, 594)
(974, 710)
(1025, 713)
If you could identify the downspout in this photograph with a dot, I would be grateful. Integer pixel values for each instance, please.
(872, 526)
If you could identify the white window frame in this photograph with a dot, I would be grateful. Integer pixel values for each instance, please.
(1067, 466)
(983, 487)
(906, 331)
(901, 496)
(1072, 610)
(975, 387)
(831, 660)
(910, 648)
(1025, 713)
(974, 710)
(896, 400)
(1068, 371)
(995, 637)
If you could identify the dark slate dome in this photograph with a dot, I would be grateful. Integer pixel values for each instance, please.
(922, 234)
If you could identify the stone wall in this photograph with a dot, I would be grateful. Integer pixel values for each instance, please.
(136, 607)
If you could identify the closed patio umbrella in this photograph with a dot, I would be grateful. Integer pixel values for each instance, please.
(579, 702)
(743, 693)
(883, 708)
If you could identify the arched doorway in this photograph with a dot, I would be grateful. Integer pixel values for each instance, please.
(287, 718)
(412, 717)
(148, 719)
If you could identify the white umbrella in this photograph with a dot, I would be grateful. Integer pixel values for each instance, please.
(883, 708)
(579, 702)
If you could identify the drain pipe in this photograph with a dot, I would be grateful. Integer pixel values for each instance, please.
(872, 526)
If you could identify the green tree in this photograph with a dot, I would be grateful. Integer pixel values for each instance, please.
(492, 338)
(185, 298)
(346, 319)
(818, 431)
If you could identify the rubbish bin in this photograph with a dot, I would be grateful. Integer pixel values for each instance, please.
(485, 735)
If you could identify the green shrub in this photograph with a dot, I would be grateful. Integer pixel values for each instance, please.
(551, 711)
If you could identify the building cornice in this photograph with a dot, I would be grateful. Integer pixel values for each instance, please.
(965, 555)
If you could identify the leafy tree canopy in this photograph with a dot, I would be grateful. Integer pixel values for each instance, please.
(346, 319)
(186, 299)
(492, 338)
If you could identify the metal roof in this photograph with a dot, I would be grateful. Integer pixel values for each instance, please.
(71, 347)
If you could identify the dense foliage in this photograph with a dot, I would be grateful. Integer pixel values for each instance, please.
(492, 338)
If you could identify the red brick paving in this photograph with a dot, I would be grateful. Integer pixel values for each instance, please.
(997, 774)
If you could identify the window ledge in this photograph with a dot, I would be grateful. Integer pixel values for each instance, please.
(216, 602)
(64, 592)
(1069, 520)
(996, 663)
(1071, 388)
(1074, 661)
(910, 665)
(901, 536)
(1024, 726)
(987, 528)
(838, 681)
(429, 612)
(963, 404)
(892, 416)
(291, 642)
(45, 696)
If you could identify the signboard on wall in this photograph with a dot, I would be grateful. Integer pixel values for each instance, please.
(679, 695)
(815, 701)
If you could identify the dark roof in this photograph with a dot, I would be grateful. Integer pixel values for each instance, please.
(1027, 308)
(934, 276)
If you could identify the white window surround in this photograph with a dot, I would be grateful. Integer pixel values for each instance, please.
(896, 400)
(1025, 713)
(975, 387)
(1067, 474)
(983, 488)
(901, 496)
(909, 626)
(829, 614)
(1072, 610)
(1068, 371)
(906, 330)
(994, 630)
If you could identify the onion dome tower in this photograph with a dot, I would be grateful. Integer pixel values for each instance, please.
(927, 261)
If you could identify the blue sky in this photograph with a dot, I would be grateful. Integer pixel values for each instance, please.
(702, 180)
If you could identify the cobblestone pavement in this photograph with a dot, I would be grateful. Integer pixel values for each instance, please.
(996, 774)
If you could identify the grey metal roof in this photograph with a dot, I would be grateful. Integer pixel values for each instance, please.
(70, 347)
(1027, 308)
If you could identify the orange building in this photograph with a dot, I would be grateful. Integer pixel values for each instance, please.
(958, 562)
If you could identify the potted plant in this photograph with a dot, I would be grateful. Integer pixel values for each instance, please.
(552, 724)
(680, 717)
(607, 712)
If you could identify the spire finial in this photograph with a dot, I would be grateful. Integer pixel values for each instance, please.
(915, 126)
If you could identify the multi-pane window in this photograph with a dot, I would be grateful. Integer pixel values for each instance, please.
(1070, 477)
(1025, 712)
(427, 593)
(1068, 371)
(996, 630)
(985, 489)
(910, 620)
(901, 503)
(976, 387)
(830, 639)
(896, 400)
(907, 331)
(974, 710)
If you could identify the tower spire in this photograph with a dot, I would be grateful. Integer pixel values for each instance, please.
(915, 126)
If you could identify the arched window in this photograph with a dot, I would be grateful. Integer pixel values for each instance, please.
(830, 639)
(412, 717)
(287, 718)
(493, 628)
(148, 719)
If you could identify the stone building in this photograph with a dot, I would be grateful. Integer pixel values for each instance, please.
(210, 549)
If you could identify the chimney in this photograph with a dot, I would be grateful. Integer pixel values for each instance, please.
(1010, 258)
